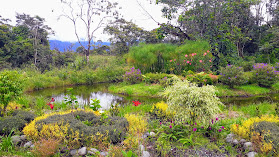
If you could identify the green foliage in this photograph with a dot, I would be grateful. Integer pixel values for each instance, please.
(258, 109)
(6, 143)
(95, 105)
(201, 79)
(192, 103)
(11, 86)
(136, 89)
(156, 77)
(71, 100)
(232, 76)
(151, 57)
(264, 75)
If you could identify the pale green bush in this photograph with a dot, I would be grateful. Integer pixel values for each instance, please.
(192, 103)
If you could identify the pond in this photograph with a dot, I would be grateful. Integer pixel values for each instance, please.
(86, 93)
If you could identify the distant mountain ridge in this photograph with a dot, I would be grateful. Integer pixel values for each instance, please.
(66, 45)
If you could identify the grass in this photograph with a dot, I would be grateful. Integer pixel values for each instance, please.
(254, 110)
(244, 90)
(254, 89)
(140, 89)
(141, 109)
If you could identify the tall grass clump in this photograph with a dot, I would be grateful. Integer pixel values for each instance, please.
(151, 57)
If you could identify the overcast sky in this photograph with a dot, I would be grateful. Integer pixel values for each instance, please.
(51, 9)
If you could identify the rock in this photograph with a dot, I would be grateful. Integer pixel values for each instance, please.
(152, 134)
(251, 154)
(145, 154)
(104, 153)
(73, 152)
(23, 137)
(235, 142)
(229, 139)
(82, 151)
(141, 147)
(248, 146)
(93, 151)
(242, 141)
(230, 135)
(28, 144)
(16, 140)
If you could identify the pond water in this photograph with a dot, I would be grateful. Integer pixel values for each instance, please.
(86, 93)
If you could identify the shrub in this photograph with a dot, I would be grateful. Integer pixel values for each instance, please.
(11, 86)
(46, 147)
(133, 76)
(84, 126)
(190, 102)
(159, 110)
(244, 130)
(264, 75)
(16, 121)
(200, 79)
(269, 132)
(137, 126)
(156, 77)
(232, 75)
(7, 124)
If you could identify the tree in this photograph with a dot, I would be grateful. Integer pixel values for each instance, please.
(93, 14)
(126, 34)
(38, 31)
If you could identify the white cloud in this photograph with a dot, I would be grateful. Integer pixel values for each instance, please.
(51, 9)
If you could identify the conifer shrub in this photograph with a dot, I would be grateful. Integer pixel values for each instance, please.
(270, 136)
(157, 77)
(232, 76)
(16, 121)
(7, 124)
(202, 79)
(192, 103)
(264, 75)
(85, 126)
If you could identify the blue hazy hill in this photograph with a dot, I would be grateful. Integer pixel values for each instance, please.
(64, 45)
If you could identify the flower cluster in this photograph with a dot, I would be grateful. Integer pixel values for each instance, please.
(133, 76)
(193, 61)
(50, 103)
(136, 103)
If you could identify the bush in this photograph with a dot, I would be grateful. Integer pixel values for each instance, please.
(11, 86)
(7, 124)
(133, 76)
(270, 136)
(232, 75)
(264, 75)
(202, 79)
(244, 130)
(192, 103)
(159, 110)
(16, 121)
(83, 125)
(156, 77)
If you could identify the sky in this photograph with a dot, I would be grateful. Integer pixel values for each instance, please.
(50, 10)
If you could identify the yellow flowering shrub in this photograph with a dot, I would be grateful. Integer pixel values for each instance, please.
(160, 110)
(137, 127)
(13, 106)
(244, 129)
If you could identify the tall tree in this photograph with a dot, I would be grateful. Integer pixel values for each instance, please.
(38, 31)
(93, 14)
